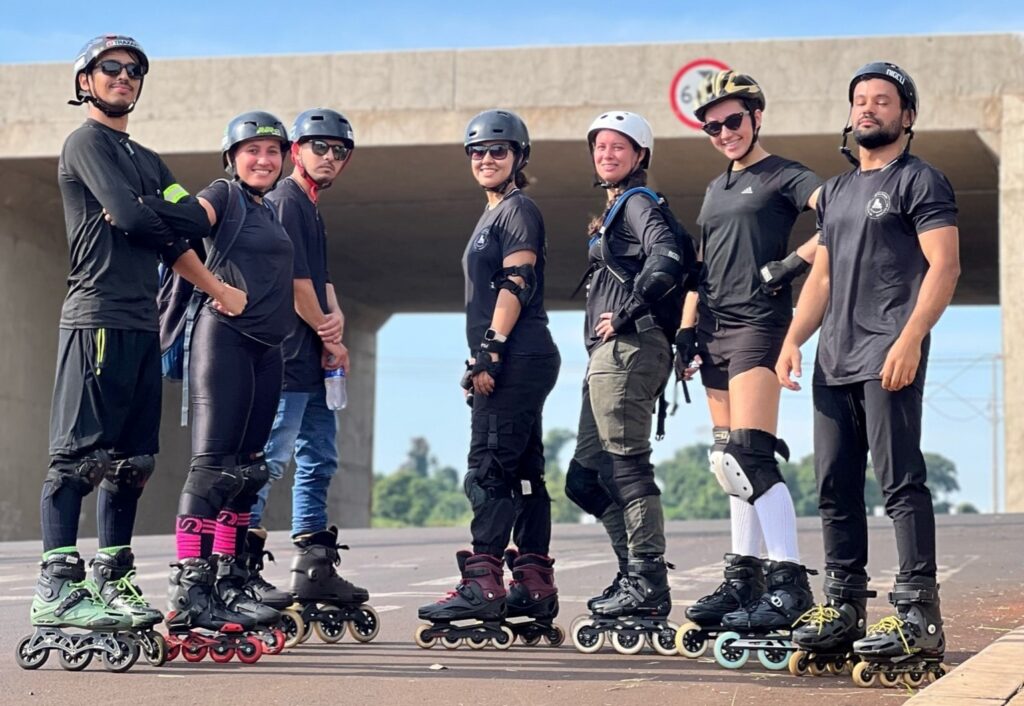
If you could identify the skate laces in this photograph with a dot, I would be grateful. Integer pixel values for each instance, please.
(891, 624)
(818, 617)
(127, 589)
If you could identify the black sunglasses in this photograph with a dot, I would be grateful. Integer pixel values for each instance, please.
(320, 148)
(477, 152)
(733, 122)
(113, 68)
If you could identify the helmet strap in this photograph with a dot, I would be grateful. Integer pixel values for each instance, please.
(105, 108)
(750, 148)
(314, 188)
(503, 186)
(846, 150)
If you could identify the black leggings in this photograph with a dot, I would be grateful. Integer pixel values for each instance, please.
(235, 386)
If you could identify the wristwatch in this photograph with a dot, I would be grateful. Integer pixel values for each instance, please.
(492, 335)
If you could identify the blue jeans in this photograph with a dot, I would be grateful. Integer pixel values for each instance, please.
(305, 428)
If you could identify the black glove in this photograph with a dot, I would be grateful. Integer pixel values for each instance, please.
(686, 349)
(778, 273)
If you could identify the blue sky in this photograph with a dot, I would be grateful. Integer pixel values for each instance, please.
(413, 393)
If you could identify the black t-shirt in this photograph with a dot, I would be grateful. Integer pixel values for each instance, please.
(514, 224)
(301, 220)
(638, 228)
(113, 279)
(870, 222)
(259, 262)
(742, 229)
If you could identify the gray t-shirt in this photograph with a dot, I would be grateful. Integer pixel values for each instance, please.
(870, 222)
(743, 228)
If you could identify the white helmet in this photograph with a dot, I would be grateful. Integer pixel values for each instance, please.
(629, 124)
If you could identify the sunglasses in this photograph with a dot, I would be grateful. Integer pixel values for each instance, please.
(113, 68)
(733, 122)
(497, 152)
(320, 148)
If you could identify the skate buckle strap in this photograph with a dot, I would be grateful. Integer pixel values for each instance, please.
(80, 591)
(818, 616)
(905, 594)
(891, 624)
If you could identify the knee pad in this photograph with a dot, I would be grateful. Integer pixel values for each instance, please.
(634, 477)
(82, 473)
(129, 473)
(212, 485)
(254, 474)
(583, 486)
(716, 453)
(748, 466)
(485, 483)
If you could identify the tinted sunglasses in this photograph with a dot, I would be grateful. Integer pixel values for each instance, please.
(113, 68)
(497, 152)
(320, 148)
(733, 122)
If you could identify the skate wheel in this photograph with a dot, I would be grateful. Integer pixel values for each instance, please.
(155, 649)
(889, 679)
(938, 672)
(627, 642)
(293, 626)
(914, 679)
(330, 631)
(691, 640)
(193, 653)
(585, 637)
(73, 661)
(173, 650)
(556, 636)
(249, 651)
(799, 665)
(863, 676)
(817, 670)
(125, 655)
(366, 626)
(28, 658)
(222, 653)
(477, 643)
(728, 656)
(664, 641)
(451, 643)
(307, 630)
(274, 641)
(505, 640)
(531, 641)
(773, 658)
(425, 643)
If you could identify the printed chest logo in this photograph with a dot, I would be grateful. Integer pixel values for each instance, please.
(481, 240)
(879, 205)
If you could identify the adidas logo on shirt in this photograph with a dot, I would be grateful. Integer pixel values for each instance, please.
(748, 190)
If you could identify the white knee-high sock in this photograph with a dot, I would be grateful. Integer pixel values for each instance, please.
(778, 522)
(747, 538)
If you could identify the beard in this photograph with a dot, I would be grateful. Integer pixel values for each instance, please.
(881, 136)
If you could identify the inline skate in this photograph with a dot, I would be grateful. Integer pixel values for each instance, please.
(325, 602)
(906, 648)
(473, 613)
(744, 583)
(65, 599)
(232, 587)
(825, 634)
(638, 609)
(532, 600)
(114, 575)
(764, 626)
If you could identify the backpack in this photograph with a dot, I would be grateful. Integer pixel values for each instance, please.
(178, 301)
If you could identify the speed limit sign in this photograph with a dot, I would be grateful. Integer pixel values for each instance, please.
(683, 93)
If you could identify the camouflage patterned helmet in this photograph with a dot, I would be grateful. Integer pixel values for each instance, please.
(724, 85)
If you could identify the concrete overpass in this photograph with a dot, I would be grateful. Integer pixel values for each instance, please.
(399, 219)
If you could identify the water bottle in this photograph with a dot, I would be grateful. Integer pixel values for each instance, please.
(334, 383)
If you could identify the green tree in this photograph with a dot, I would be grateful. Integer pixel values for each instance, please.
(689, 491)
(562, 508)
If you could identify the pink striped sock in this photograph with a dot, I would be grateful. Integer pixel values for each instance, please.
(188, 535)
(228, 522)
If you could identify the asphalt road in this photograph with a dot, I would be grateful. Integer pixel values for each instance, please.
(981, 572)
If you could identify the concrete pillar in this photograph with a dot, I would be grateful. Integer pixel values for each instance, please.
(1011, 295)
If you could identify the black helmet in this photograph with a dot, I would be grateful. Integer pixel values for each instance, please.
(500, 125)
(324, 123)
(724, 85)
(251, 125)
(891, 73)
(87, 57)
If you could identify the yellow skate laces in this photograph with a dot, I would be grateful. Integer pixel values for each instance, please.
(891, 624)
(818, 616)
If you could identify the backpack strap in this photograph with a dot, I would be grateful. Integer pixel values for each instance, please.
(618, 272)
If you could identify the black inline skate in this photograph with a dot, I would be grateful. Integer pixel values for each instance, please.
(906, 648)
(114, 575)
(65, 599)
(265, 592)
(198, 622)
(744, 583)
(825, 634)
(232, 587)
(638, 609)
(764, 626)
(325, 602)
(473, 613)
(533, 599)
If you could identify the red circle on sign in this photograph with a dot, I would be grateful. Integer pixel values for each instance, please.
(683, 117)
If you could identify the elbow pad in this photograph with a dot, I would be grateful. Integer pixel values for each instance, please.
(524, 293)
(661, 274)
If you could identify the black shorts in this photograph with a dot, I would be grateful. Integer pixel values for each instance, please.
(729, 351)
(107, 393)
